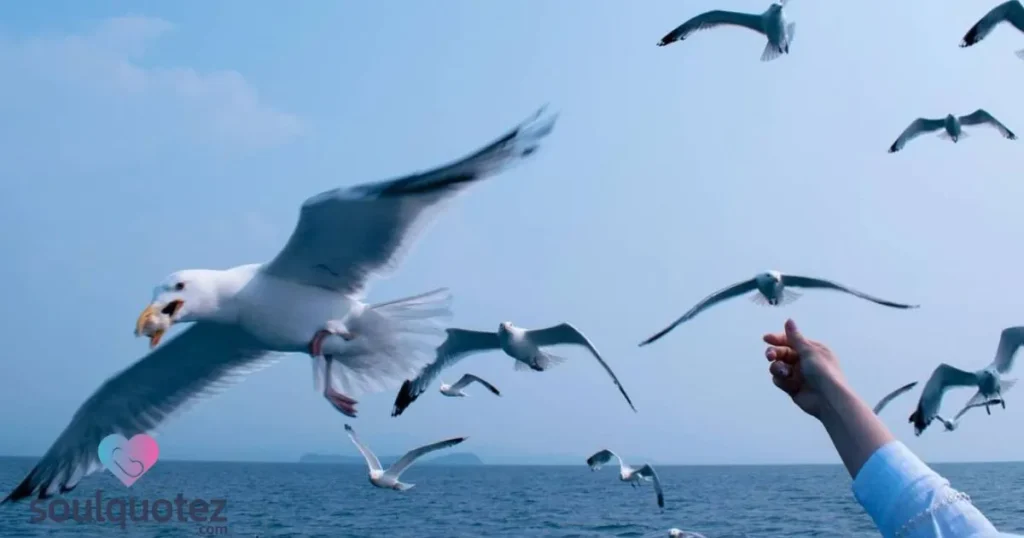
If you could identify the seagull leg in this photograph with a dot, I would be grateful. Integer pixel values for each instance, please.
(332, 328)
(344, 404)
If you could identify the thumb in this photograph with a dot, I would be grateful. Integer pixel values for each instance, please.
(795, 338)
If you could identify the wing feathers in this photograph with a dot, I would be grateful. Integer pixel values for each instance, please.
(344, 236)
(197, 363)
(458, 344)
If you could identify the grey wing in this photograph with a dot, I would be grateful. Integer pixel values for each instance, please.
(712, 19)
(892, 395)
(602, 457)
(198, 362)
(809, 282)
(410, 457)
(1010, 341)
(469, 378)
(344, 236)
(971, 405)
(915, 129)
(707, 302)
(944, 377)
(648, 471)
(1011, 11)
(564, 333)
(457, 345)
(980, 116)
(371, 459)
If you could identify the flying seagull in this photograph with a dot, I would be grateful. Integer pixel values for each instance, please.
(456, 389)
(388, 479)
(892, 396)
(773, 288)
(952, 128)
(951, 425)
(306, 298)
(522, 345)
(990, 381)
(772, 24)
(1011, 12)
(628, 474)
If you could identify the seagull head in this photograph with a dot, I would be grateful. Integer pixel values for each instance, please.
(182, 296)
(505, 326)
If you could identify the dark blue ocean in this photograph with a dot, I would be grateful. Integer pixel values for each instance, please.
(337, 501)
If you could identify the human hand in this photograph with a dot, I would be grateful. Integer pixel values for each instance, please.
(803, 368)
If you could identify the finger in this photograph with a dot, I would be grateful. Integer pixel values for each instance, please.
(776, 339)
(782, 353)
(780, 369)
(795, 337)
(786, 385)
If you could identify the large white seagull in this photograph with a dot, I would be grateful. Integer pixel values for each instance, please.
(306, 299)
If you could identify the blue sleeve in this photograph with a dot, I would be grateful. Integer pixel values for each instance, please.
(907, 499)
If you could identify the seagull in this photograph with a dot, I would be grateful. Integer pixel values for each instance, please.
(247, 316)
(952, 125)
(677, 533)
(456, 389)
(990, 381)
(773, 289)
(772, 24)
(892, 396)
(951, 425)
(1011, 12)
(388, 479)
(628, 474)
(522, 345)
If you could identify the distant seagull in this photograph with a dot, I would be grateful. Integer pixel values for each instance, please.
(773, 289)
(456, 389)
(990, 381)
(772, 23)
(676, 533)
(1011, 12)
(389, 479)
(522, 345)
(952, 125)
(951, 425)
(628, 474)
(892, 396)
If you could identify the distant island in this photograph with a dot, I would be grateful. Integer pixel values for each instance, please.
(456, 458)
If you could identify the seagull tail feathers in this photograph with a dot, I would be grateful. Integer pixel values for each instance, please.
(404, 333)
(547, 360)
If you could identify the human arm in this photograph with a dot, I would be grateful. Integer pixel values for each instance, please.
(903, 496)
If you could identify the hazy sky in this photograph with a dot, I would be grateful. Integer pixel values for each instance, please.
(138, 138)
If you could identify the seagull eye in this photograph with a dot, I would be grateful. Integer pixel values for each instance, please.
(179, 286)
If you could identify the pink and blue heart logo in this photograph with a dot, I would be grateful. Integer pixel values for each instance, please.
(128, 460)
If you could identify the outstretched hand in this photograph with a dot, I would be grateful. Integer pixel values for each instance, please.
(803, 368)
(809, 372)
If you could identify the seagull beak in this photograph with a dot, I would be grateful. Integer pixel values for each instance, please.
(154, 321)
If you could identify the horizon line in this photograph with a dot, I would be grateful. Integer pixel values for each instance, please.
(513, 464)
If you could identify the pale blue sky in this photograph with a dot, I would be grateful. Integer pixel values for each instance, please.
(188, 135)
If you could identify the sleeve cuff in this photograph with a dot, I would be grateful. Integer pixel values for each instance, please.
(884, 480)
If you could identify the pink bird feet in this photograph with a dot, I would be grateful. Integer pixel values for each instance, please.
(344, 404)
